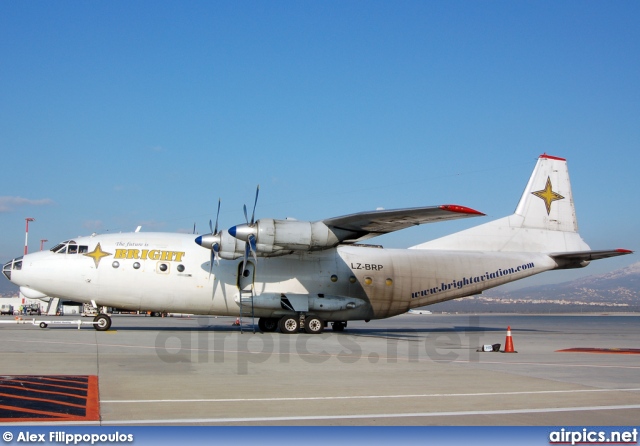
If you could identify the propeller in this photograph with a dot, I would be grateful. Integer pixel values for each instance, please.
(212, 241)
(215, 248)
(248, 232)
(250, 246)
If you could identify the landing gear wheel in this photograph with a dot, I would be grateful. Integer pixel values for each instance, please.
(43, 325)
(289, 324)
(102, 322)
(268, 324)
(338, 326)
(314, 325)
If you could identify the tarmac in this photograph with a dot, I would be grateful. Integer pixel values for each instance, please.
(407, 370)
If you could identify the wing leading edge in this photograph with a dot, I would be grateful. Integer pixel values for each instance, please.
(364, 225)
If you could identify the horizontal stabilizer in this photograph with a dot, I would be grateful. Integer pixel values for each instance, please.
(580, 259)
(581, 256)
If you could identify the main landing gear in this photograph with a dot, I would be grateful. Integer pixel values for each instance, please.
(291, 324)
(295, 323)
(268, 324)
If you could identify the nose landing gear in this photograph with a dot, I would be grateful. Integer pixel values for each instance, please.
(102, 322)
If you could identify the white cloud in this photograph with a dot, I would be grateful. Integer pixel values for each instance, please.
(8, 204)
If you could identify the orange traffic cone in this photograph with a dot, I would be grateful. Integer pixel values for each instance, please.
(237, 322)
(508, 344)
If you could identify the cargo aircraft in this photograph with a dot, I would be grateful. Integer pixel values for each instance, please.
(304, 275)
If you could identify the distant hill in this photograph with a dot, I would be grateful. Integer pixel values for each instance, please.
(617, 291)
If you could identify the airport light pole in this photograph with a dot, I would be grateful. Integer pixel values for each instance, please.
(42, 242)
(26, 237)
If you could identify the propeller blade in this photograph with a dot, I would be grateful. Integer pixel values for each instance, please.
(215, 231)
(211, 259)
(253, 214)
(251, 241)
(215, 248)
(246, 257)
(194, 228)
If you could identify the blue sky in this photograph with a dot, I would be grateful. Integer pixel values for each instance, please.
(118, 114)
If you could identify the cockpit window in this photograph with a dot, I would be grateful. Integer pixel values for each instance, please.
(70, 247)
(15, 264)
(59, 246)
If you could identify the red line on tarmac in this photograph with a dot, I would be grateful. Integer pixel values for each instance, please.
(614, 351)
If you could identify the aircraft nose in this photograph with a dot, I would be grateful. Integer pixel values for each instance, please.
(12, 265)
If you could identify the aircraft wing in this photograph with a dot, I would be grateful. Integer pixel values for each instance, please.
(364, 225)
(579, 256)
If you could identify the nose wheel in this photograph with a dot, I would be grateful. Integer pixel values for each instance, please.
(102, 322)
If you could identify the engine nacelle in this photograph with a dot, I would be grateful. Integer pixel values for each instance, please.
(229, 248)
(273, 238)
(277, 237)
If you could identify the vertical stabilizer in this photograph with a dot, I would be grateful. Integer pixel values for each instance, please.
(544, 220)
(547, 201)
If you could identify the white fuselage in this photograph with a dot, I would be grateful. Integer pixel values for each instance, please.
(169, 272)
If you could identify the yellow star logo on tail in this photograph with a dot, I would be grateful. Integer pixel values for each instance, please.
(548, 195)
(97, 254)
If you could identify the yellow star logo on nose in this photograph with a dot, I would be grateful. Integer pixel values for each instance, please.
(548, 195)
(97, 254)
